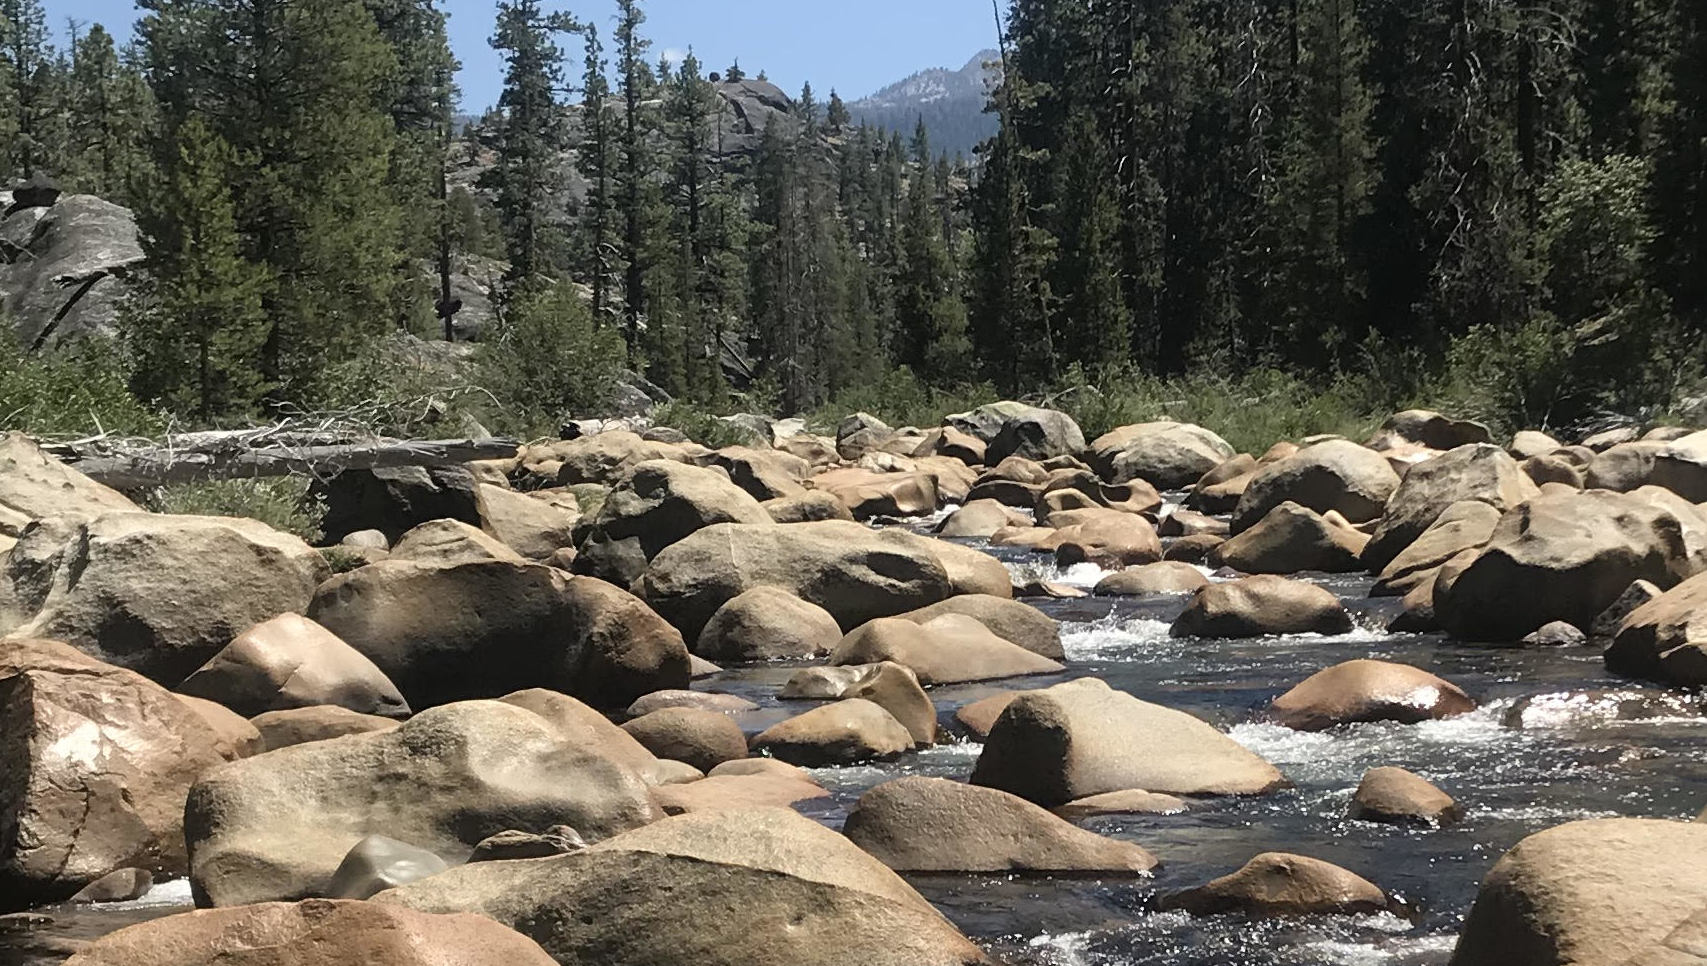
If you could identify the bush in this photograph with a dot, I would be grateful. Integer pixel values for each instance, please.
(548, 362)
(284, 503)
(80, 392)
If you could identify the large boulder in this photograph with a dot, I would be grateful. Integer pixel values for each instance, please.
(1336, 475)
(281, 729)
(277, 827)
(592, 732)
(1682, 467)
(1565, 557)
(395, 500)
(1291, 539)
(1110, 539)
(606, 458)
(1083, 738)
(292, 662)
(765, 474)
(759, 887)
(950, 649)
(318, 932)
(1625, 467)
(870, 494)
(1280, 884)
(703, 739)
(1429, 429)
(96, 764)
(1167, 455)
(34, 485)
(451, 542)
(1462, 526)
(852, 571)
(154, 593)
(658, 504)
(535, 525)
(1481, 473)
(1036, 434)
(1591, 893)
(1666, 638)
(843, 733)
(980, 518)
(1363, 690)
(66, 275)
(808, 507)
(1262, 606)
(935, 825)
(1010, 620)
(768, 624)
(475, 630)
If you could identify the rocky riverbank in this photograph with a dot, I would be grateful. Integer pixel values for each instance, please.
(991, 693)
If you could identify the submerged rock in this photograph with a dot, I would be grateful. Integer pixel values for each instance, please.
(1262, 606)
(1363, 691)
(950, 649)
(1395, 796)
(1280, 884)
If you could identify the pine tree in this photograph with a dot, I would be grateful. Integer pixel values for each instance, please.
(689, 103)
(110, 110)
(1680, 179)
(28, 70)
(930, 318)
(532, 136)
(596, 161)
(634, 83)
(837, 118)
(1095, 326)
(198, 328)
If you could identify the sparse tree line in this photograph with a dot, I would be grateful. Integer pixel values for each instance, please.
(1507, 199)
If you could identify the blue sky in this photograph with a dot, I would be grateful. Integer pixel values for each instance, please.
(855, 48)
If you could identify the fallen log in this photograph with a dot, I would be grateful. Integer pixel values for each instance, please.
(142, 468)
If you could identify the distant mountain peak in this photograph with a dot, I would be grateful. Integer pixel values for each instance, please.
(951, 103)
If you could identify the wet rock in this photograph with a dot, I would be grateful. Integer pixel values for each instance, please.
(1262, 606)
(1463, 526)
(703, 739)
(123, 885)
(157, 594)
(1589, 892)
(768, 624)
(1009, 620)
(1036, 434)
(278, 826)
(281, 729)
(980, 518)
(450, 633)
(1334, 475)
(1480, 473)
(34, 485)
(703, 700)
(935, 825)
(377, 863)
(1130, 802)
(512, 845)
(292, 662)
(1290, 539)
(318, 932)
(821, 683)
(1666, 638)
(1115, 539)
(1167, 455)
(808, 507)
(1606, 626)
(1151, 580)
(1394, 796)
(97, 761)
(1194, 549)
(1364, 691)
(1556, 634)
(843, 733)
(451, 542)
(1280, 884)
(951, 649)
(396, 500)
(736, 792)
(1588, 708)
(853, 572)
(762, 887)
(1083, 738)
(1561, 558)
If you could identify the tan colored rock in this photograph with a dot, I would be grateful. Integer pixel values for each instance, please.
(842, 733)
(1543, 470)
(450, 542)
(808, 507)
(1481, 473)
(587, 729)
(1592, 893)
(1185, 523)
(1280, 884)
(768, 623)
(1624, 467)
(292, 662)
(1394, 796)
(703, 739)
(1167, 455)
(1262, 606)
(1463, 526)
(281, 729)
(1365, 690)
(759, 887)
(1194, 549)
(1528, 444)
(950, 649)
(234, 737)
(1115, 539)
(154, 593)
(935, 825)
(1009, 620)
(1666, 638)
(1150, 580)
(980, 518)
(1130, 802)
(278, 826)
(1083, 738)
(896, 690)
(658, 504)
(34, 485)
(764, 474)
(980, 716)
(535, 525)
(1290, 539)
(1333, 475)
(605, 458)
(868, 494)
(1220, 489)
(735, 792)
(450, 633)
(681, 698)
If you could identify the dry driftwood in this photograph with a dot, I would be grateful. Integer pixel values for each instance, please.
(251, 454)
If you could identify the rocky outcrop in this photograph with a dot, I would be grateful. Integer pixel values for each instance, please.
(1279, 884)
(1262, 606)
(1084, 738)
(278, 826)
(1364, 690)
(1394, 796)
(292, 662)
(65, 270)
(1666, 638)
(936, 825)
(762, 887)
(318, 932)
(658, 504)
(768, 624)
(95, 764)
(1336, 475)
(951, 649)
(475, 630)
(1592, 893)
(154, 593)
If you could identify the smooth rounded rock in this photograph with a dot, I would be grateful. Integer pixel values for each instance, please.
(282, 729)
(842, 733)
(1364, 691)
(1261, 606)
(377, 863)
(768, 624)
(1152, 580)
(1394, 796)
(292, 662)
(703, 739)
(1280, 884)
(950, 649)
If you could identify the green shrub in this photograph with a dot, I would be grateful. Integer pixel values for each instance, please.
(703, 427)
(284, 503)
(82, 391)
(548, 362)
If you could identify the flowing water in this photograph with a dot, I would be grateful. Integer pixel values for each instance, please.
(1556, 739)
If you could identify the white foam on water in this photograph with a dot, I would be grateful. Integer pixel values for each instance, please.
(1340, 953)
(1064, 949)
(175, 892)
(1083, 642)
